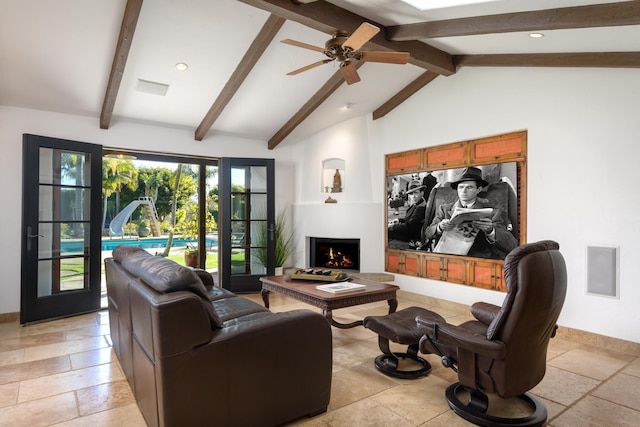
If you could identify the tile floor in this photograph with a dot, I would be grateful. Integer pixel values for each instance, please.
(64, 373)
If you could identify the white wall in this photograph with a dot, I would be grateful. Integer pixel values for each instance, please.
(355, 215)
(583, 132)
(16, 121)
(583, 127)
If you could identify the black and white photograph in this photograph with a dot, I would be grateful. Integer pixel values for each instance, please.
(471, 211)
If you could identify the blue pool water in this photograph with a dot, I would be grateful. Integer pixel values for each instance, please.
(145, 243)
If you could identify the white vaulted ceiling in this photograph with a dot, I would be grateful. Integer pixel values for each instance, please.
(58, 56)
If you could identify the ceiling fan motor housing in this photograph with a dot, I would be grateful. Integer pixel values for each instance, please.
(335, 50)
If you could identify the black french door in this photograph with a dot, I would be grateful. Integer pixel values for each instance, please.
(247, 222)
(61, 258)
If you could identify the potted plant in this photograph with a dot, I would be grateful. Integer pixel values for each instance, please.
(283, 243)
(143, 229)
(191, 256)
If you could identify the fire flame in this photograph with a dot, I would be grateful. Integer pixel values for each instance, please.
(337, 259)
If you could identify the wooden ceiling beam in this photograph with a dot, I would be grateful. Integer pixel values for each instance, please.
(404, 94)
(328, 18)
(127, 30)
(597, 15)
(590, 59)
(309, 107)
(248, 61)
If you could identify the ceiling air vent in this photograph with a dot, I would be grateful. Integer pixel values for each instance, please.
(153, 88)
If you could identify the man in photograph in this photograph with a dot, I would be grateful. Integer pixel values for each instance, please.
(470, 225)
(408, 228)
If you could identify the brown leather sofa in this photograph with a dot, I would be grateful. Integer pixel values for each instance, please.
(199, 355)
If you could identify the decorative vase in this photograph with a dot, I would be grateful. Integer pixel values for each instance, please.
(143, 231)
(279, 271)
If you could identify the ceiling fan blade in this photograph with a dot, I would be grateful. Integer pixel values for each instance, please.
(303, 45)
(386, 57)
(363, 34)
(308, 67)
(349, 72)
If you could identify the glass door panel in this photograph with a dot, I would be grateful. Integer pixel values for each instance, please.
(60, 276)
(247, 249)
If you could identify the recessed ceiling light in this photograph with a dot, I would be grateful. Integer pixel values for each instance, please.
(440, 4)
(536, 35)
(347, 106)
(181, 66)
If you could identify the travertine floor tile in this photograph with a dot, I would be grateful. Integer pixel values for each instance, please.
(11, 357)
(633, 368)
(592, 411)
(11, 330)
(364, 413)
(352, 334)
(65, 373)
(93, 331)
(353, 355)
(35, 369)
(68, 381)
(564, 387)
(622, 389)
(41, 412)
(8, 394)
(92, 358)
(66, 324)
(553, 408)
(27, 341)
(355, 384)
(62, 348)
(125, 416)
(447, 419)
(416, 400)
(588, 364)
(558, 346)
(104, 396)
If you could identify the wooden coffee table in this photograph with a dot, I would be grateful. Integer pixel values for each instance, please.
(305, 291)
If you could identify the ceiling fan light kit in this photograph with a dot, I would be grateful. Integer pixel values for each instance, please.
(344, 49)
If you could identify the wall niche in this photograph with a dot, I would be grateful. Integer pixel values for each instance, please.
(333, 175)
(420, 191)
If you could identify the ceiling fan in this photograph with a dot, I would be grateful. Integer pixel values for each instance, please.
(343, 48)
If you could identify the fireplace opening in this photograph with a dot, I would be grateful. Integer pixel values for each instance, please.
(343, 254)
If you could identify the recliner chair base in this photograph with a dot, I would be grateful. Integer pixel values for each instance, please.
(401, 328)
(476, 410)
(387, 363)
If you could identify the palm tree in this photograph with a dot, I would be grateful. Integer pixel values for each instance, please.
(72, 165)
(152, 179)
(174, 204)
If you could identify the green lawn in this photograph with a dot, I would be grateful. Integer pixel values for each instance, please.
(211, 263)
(72, 267)
(212, 259)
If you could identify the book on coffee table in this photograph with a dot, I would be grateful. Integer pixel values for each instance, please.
(338, 288)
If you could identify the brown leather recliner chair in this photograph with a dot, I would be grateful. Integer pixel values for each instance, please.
(504, 351)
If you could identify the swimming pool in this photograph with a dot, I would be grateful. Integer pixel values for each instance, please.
(77, 246)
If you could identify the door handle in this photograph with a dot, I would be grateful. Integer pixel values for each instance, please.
(31, 236)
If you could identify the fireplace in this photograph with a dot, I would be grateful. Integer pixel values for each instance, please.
(342, 254)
